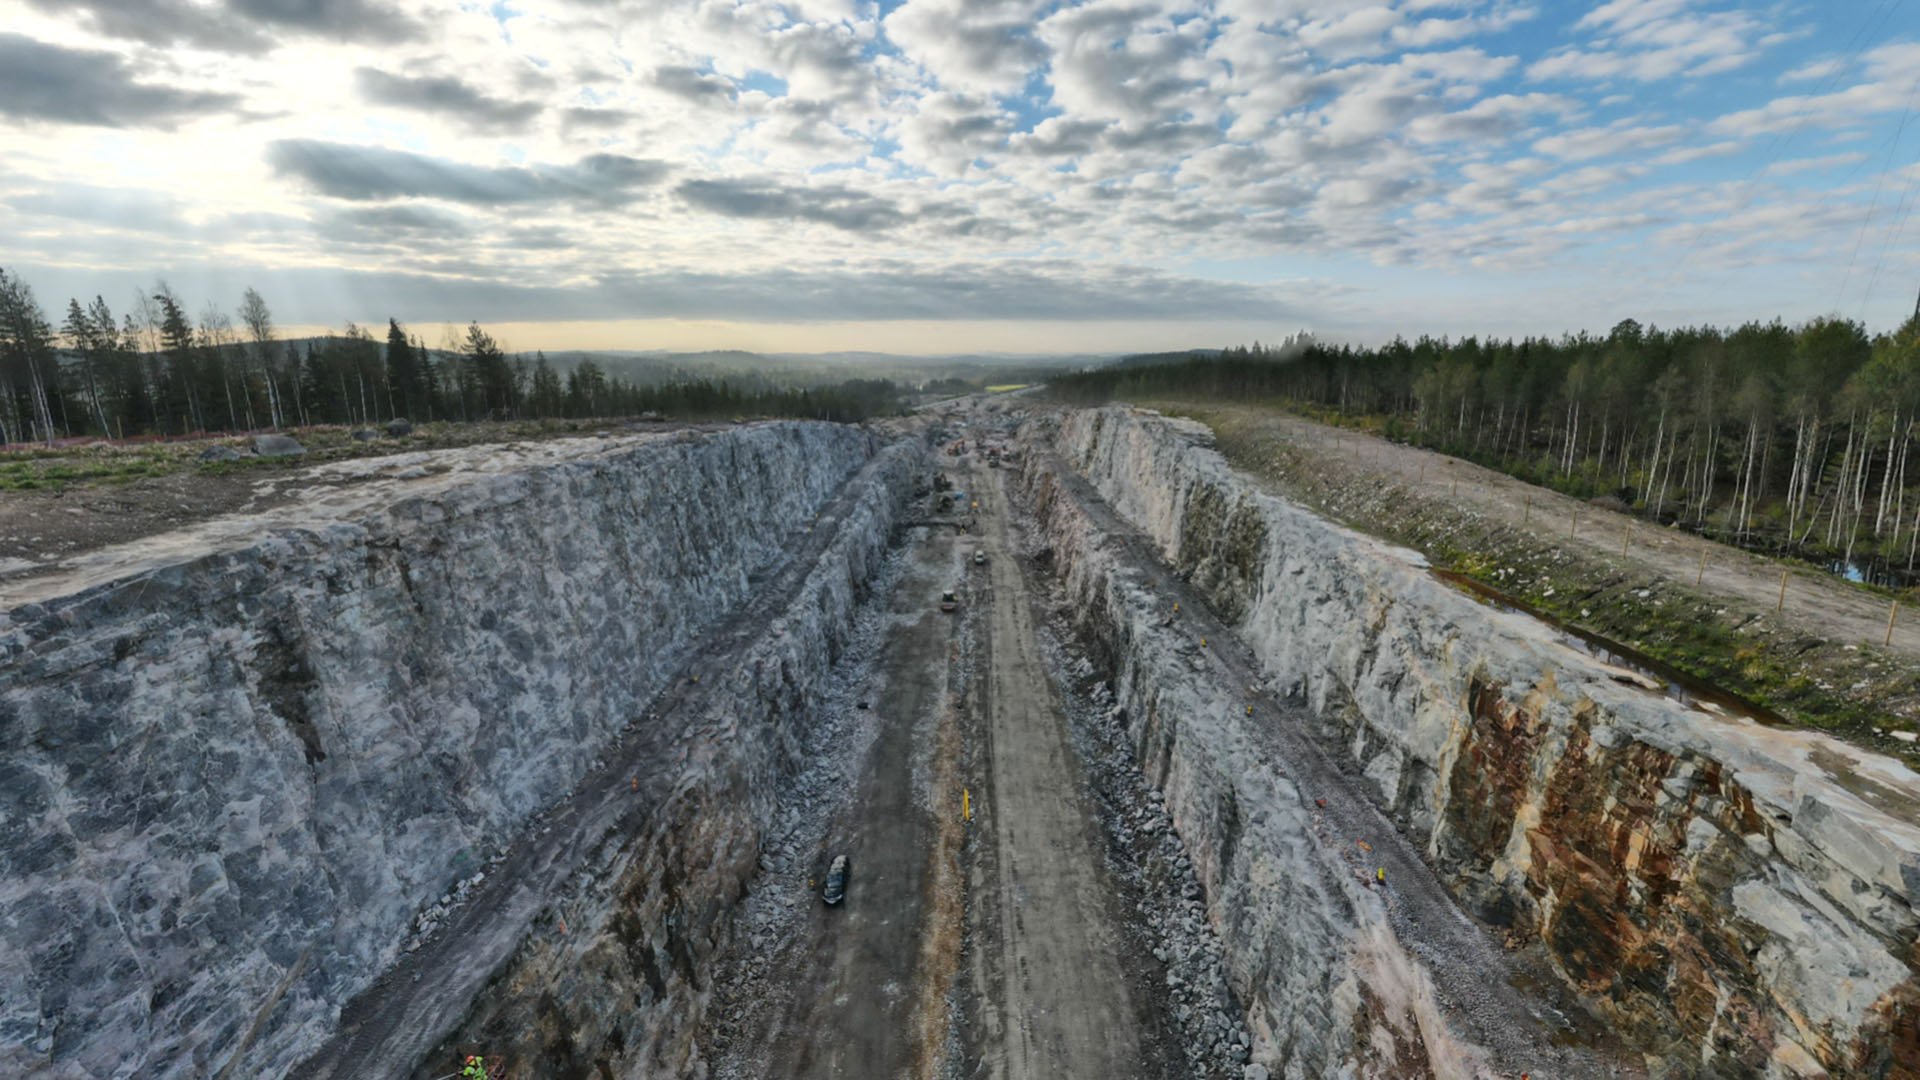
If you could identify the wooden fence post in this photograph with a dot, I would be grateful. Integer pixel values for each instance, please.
(1892, 614)
(1781, 606)
(1702, 575)
(1527, 511)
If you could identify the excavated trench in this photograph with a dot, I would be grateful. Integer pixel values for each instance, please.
(540, 754)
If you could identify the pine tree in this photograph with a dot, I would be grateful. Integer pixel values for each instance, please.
(28, 366)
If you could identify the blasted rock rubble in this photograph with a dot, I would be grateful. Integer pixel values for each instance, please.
(239, 763)
(1733, 899)
(1308, 952)
(1144, 850)
(746, 982)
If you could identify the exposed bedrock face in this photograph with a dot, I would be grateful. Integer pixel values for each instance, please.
(1738, 900)
(253, 766)
(1328, 989)
(615, 982)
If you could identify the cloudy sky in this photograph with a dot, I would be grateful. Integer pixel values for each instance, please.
(944, 175)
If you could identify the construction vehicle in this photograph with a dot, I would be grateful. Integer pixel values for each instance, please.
(836, 888)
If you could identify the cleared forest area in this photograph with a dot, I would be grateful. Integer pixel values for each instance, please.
(1815, 652)
(1788, 440)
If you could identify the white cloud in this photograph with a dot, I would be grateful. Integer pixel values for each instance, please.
(1655, 40)
(1588, 143)
(733, 136)
(985, 46)
(1823, 163)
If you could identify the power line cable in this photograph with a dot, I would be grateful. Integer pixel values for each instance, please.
(1783, 137)
(1879, 184)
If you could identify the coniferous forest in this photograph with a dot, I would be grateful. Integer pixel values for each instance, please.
(157, 368)
(1790, 439)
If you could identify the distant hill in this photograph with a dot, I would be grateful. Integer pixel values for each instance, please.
(765, 371)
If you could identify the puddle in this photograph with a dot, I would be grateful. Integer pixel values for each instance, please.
(1844, 771)
(1655, 675)
(1874, 572)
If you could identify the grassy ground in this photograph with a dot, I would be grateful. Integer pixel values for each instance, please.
(1852, 689)
(105, 464)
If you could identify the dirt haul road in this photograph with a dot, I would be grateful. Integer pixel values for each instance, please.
(1052, 998)
(1817, 603)
(859, 993)
(963, 708)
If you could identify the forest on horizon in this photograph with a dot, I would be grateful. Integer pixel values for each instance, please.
(157, 370)
(1788, 439)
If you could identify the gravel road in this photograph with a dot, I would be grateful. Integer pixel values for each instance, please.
(1054, 998)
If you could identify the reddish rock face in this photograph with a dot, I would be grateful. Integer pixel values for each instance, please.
(1740, 902)
(1625, 871)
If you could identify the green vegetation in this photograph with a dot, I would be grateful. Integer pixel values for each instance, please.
(43, 473)
(1827, 685)
(1787, 440)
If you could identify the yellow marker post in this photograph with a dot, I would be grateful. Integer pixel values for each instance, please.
(966, 804)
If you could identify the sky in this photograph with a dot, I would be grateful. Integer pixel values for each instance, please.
(937, 176)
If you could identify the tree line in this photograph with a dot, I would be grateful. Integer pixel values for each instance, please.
(1790, 439)
(155, 369)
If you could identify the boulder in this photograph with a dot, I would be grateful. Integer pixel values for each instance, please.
(219, 453)
(365, 435)
(399, 427)
(277, 446)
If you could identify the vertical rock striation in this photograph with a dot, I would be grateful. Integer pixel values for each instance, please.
(616, 982)
(229, 783)
(1737, 900)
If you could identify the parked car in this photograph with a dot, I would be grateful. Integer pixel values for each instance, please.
(979, 557)
(949, 602)
(836, 888)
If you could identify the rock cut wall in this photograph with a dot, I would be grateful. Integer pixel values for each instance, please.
(1327, 988)
(232, 780)
(1737, 900)
(616, 983)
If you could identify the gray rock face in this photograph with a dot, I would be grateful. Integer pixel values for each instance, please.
(1726, 893)
(399, 427)
(277, 446)
(262, 762)
(1307, 946)
(622, 984)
